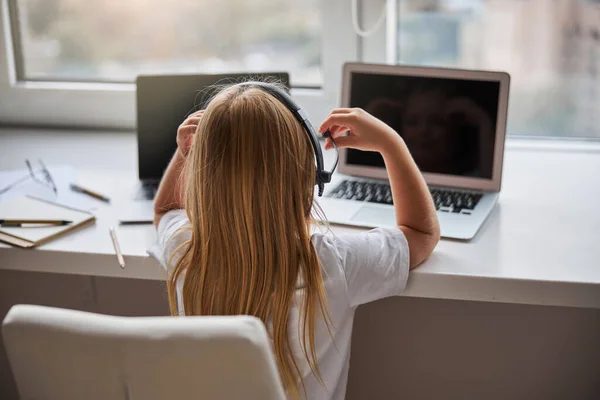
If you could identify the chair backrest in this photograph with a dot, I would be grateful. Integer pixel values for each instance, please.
(64, 354)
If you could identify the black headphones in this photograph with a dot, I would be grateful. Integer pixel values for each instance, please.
(323, 176)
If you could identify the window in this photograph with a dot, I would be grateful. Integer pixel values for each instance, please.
(84, 55)
(113, 40)
(551, 48)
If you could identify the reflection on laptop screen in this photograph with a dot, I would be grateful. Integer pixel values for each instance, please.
(449, 125)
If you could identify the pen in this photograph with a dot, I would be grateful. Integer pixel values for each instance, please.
(113, 236)
(20, 222)
(96, 195)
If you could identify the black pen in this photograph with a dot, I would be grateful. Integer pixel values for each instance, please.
(20, 222)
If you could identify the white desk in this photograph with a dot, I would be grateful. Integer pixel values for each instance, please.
(539, 246)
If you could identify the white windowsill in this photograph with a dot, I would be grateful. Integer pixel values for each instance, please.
(558, 144)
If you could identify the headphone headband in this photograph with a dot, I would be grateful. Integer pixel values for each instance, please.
(323, 176)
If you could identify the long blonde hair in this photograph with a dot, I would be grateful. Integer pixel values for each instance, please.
(249, 185)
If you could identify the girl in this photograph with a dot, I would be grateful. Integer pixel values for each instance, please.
(233, 215)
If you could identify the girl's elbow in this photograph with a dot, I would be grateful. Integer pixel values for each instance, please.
(433, 238)
(436, 234)
(421, 243)
(423, 249)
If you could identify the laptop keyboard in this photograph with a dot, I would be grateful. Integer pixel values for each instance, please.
(445, 199)
(147, 191)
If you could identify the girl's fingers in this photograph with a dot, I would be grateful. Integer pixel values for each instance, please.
(191, 121)
(337, 128)
(344, 141)
(196, 114)
(345, 120)
(337, 131)
(341, 111)
(187, 130)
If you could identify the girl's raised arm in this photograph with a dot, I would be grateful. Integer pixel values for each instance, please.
(415, 212)
(170, 191)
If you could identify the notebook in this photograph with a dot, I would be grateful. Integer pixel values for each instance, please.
(30, 208)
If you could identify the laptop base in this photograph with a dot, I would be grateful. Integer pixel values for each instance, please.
(371, 215)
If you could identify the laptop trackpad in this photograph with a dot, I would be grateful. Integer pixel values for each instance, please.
(375, 216)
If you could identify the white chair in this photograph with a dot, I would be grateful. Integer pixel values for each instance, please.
(64, 354)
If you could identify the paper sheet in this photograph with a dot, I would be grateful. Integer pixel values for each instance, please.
(63, 176)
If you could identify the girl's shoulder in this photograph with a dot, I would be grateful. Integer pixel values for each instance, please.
(373, 264)
(171, 234)
(374, 246)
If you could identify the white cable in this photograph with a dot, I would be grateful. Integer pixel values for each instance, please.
(392, 49)
(359, 31)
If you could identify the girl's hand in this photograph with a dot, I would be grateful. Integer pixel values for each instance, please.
(186, 132)
(365, 132)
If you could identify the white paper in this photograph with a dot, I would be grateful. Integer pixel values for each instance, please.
(63, 176)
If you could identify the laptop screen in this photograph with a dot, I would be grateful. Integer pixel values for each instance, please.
(164, 101)
(449, 125)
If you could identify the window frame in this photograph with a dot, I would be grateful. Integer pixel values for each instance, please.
(112, 105)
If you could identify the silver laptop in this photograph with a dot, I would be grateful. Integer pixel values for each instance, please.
(163, 102)
(454, 124)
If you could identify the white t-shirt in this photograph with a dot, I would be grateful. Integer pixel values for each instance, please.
(357, 268)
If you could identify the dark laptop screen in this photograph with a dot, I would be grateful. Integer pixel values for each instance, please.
(449, 125)
(164, 101)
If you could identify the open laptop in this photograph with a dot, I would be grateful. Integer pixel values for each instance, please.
(454, 124)
(163, 102)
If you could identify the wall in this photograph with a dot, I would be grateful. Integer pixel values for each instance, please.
(413, 348)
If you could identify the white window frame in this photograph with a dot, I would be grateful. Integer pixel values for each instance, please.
(382, 46)
(112, 105)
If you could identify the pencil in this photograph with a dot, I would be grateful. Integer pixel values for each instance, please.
(91, 193)
(115, 241)
(21, 222)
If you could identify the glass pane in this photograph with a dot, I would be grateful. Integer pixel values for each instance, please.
(115, 40)
(550, 48)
